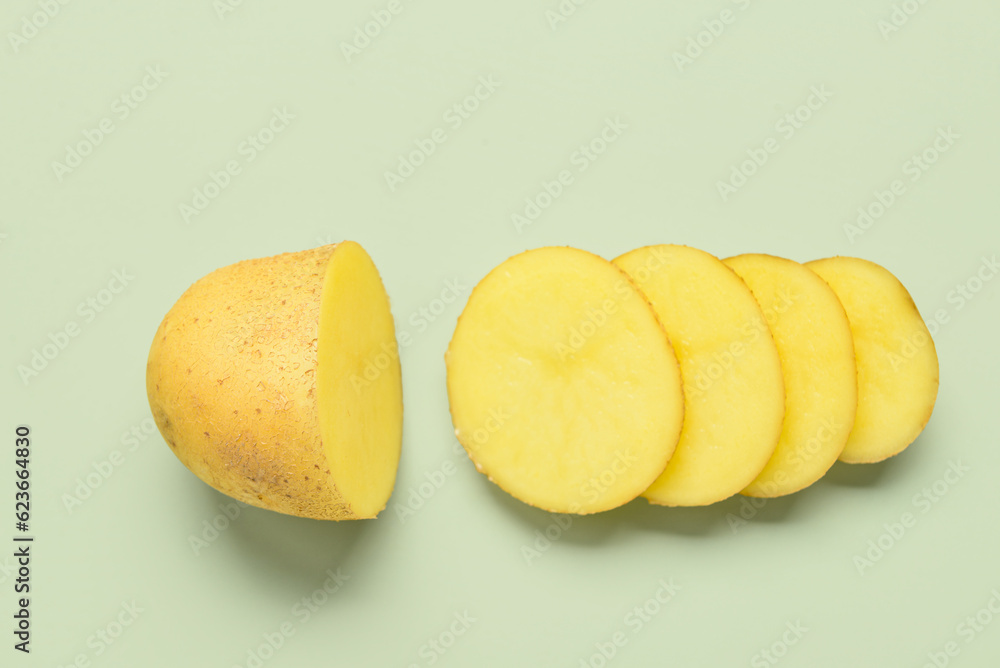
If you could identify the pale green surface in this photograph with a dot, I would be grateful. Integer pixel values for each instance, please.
(322, 180)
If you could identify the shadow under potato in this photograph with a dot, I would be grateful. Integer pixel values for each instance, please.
(600, 528)
(900, 465)
(594, 529)
(296, 549)
(723, 517)
(856, 475)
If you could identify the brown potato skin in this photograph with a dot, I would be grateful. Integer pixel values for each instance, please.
(231, 380)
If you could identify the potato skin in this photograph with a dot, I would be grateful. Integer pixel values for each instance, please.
(231, 380)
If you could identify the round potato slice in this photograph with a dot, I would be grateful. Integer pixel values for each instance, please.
(562, 384)
(813, 336)
(896, 359)
(733, 388)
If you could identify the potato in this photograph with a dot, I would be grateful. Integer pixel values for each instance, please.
(896, 359)
(733, 388)
(277, 382)
(562, 384)
(813, 337)
(570, 385)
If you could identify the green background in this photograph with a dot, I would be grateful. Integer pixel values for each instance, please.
(322, 179)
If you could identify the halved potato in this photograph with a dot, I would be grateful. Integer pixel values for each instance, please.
(563, 386)
(733, 389)
(277, 382)
(896, 359)
(813, 336)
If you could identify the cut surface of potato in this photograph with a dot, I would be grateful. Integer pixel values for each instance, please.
(813, 336)
(733, 388)
(896, 359)
(277, 382)
(563, 386)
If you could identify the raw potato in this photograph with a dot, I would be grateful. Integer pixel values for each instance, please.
(896, 359)
(813, 336)
(563, 386)
(277, 382)
(733, 389)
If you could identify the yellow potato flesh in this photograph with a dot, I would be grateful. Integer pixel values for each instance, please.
(563, 386)
(358, 381)
(813, 336)
(896, 359)
(733, 388)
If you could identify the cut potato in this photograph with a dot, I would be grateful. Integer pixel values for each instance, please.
(277, 382)
(896, 359)
(563, 386)
(733, 388)
(813, 336)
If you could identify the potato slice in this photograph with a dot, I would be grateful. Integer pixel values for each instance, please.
(277, 382)
(896, 359)
(733, 389)
(813, 336)
(563, 386)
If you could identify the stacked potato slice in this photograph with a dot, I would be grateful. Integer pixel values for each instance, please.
(671, 374)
